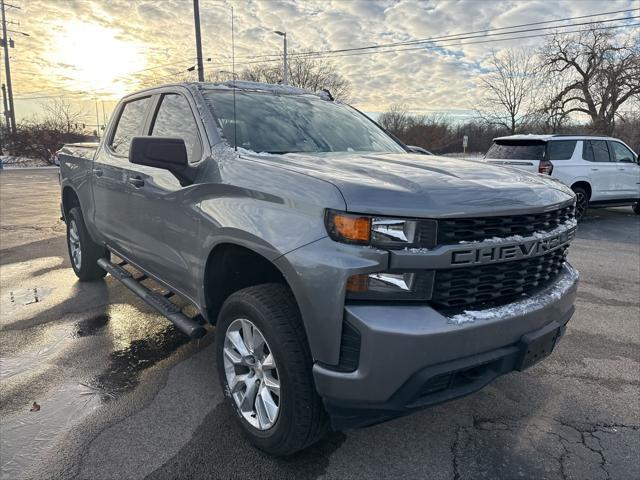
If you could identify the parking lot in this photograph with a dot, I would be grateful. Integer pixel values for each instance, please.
(122, 394)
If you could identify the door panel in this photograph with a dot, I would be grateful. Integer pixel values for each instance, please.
(627, 181)
(602, 172)
(111, 190)
(166, 231)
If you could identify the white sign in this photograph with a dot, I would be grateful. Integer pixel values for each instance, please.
(465, 141)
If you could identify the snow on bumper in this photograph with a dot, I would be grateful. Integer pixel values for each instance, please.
(397, 341)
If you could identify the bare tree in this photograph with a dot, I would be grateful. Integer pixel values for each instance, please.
(396, 120)
(602, 72)
(59, 114)
(305, 71)
(509, 88)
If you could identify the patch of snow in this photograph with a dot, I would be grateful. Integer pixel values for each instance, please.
(517, 238)
(552, 293)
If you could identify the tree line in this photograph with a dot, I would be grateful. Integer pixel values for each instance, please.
(587, 82)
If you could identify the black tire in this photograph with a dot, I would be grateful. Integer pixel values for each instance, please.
(636, 208)
(582, 202)
(86, 268)
(301, 420)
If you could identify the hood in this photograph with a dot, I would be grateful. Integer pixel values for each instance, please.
(414, 185)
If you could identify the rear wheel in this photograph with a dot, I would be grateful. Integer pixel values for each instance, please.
(264, 365)
(582, 202)
(83, 251)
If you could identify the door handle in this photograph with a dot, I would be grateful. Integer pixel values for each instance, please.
(98, 172)
(621, 169)
(594, 169)
(136, 181)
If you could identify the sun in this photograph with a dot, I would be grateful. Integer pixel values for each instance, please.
(95, 59)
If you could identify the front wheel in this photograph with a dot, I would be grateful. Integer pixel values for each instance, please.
(636, 208)
(83, 251)
(264, 366)
(582, 202)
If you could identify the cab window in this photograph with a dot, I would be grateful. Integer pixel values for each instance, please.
(621, 153)
(129, 125)
(174, 119)
(596, 151)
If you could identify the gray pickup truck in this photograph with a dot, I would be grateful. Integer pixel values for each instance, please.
(349, 280)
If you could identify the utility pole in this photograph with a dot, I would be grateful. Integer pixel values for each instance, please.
(7, 116)
(285, 70)
(7, 66)
(196, 19)
(97, 118)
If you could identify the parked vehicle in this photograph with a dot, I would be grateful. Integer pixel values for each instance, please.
(602, 171)
(349, 280)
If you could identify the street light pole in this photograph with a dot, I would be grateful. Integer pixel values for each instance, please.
(285, 70)
(196, 18)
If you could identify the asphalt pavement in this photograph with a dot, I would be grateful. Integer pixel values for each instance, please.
(120, 393)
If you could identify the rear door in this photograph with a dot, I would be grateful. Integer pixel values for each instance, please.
(627, 180)
(602, 171)
(165, 237)
(111, 192)
(523, 154)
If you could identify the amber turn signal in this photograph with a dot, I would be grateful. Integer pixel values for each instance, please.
(350, 228)
(358, 283)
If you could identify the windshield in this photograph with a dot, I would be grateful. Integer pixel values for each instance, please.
(516, 150)
(267, 122)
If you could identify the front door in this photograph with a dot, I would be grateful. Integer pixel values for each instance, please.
(166, 233)
(627, 171)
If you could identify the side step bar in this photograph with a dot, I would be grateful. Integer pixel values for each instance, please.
(186, 325)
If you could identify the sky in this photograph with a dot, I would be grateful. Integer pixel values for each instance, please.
(92, 52)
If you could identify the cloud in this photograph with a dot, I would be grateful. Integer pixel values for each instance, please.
(434, 77)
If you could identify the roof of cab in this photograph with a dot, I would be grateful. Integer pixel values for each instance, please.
(242, 85)
(546, 138)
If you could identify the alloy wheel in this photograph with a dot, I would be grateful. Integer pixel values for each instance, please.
(251, 374)
(581, 204)
(74, 245)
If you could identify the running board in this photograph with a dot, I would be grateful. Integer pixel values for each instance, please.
(173, 312)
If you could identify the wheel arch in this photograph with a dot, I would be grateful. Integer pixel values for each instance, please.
(231, 267)
(70, 199)
(584, 185)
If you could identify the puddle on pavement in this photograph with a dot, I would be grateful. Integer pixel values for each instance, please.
(27, 296)
(137, 341)
(125, 365)
(27, 435)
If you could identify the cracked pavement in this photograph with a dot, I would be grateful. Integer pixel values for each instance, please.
(123, 395)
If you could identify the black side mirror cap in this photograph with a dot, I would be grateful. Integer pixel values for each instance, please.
(166, 153)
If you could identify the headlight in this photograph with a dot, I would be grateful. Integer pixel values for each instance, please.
(383, 232)
(391, 286)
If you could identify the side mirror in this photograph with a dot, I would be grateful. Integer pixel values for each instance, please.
(166, 153)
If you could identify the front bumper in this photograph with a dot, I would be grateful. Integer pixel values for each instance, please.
(412, 356)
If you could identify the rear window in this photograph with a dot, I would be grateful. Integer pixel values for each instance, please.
(516, 150)
(561, 149)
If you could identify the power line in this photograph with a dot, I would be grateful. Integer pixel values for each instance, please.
(453, 36)
(331, 54)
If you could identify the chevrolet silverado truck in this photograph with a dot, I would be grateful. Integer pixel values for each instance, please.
(349, 280)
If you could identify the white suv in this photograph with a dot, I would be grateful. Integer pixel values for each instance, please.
(602, 171)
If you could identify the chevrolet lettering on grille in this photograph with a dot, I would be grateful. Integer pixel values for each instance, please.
(503, 252)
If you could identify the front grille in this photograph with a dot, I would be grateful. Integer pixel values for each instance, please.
(495, 283)
(455, 230)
